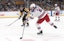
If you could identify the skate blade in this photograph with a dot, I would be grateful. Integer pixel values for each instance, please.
(40, 34)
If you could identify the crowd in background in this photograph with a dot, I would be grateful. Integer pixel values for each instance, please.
(11, 6)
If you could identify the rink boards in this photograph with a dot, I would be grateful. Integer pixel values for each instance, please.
(15, 14)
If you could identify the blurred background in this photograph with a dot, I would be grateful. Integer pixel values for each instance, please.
(14, 5)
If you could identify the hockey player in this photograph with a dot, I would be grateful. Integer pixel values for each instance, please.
(25, 13)
(41, 14)
(57, 12)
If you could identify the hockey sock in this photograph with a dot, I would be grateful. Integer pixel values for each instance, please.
(56, 18)
(52, 24)
(38, 27)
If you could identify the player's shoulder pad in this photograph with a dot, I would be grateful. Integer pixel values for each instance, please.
(22, 10)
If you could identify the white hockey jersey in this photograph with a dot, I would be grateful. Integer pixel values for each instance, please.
(38, 12)
(57, 9)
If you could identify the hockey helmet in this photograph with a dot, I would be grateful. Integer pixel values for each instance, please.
(32, 5)
(55, 4)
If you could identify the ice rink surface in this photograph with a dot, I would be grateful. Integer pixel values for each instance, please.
(14, 32)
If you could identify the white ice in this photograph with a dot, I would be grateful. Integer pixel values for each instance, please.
(14, 32)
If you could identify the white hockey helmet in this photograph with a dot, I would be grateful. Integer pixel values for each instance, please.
(32, 5)
(56, 5)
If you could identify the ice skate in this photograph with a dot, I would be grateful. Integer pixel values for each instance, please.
(39, 33)
(55, 27)
(27, 24)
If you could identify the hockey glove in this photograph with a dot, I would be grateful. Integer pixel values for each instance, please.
(19, 17)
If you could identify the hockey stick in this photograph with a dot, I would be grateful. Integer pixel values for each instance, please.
(23, 32)
(13, 22)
